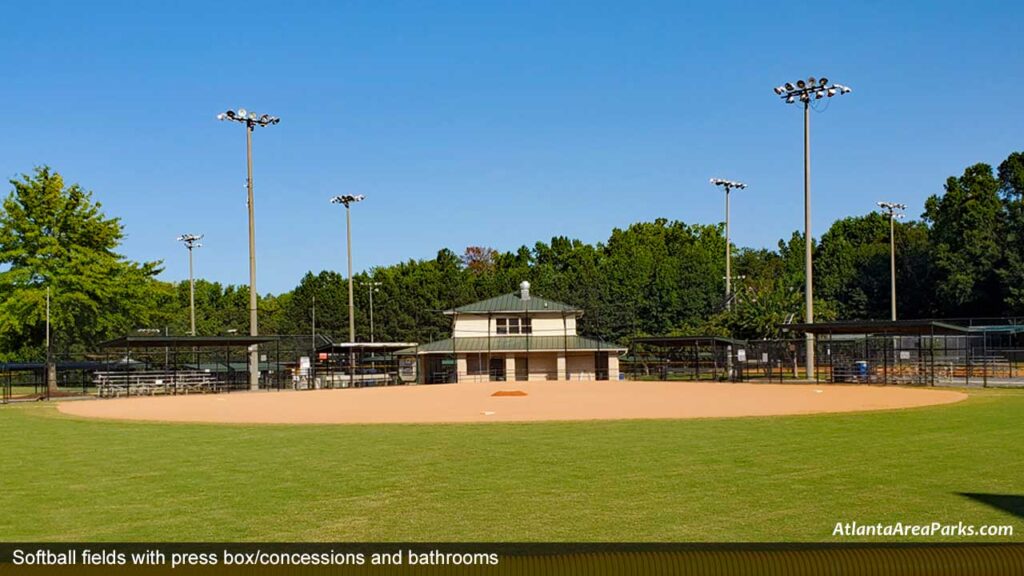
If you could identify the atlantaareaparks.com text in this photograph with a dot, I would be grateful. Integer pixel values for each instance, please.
(934, 529)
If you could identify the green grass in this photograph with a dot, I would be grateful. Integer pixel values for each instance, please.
(748, 479)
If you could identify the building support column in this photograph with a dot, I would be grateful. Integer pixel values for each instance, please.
(560, 366)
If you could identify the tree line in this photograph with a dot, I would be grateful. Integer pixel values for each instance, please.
(964, 257)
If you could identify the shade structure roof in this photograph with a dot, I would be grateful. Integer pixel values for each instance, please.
(511, 304)
(483, 344)
(380, 347)
(868, 327)
(185, 341)
(685, 341)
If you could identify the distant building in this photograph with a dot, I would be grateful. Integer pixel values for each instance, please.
(514, 337)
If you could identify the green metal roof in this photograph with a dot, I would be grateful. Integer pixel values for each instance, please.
(513, 344)
(513, 303)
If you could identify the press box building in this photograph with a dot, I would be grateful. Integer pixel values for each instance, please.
(513, 337)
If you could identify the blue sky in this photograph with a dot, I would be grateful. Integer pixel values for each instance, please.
(493, 123)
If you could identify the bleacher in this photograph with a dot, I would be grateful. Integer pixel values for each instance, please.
(153, 382)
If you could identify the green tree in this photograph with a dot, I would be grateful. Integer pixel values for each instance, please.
(55, 236)
(967, 228)
(1011, 188)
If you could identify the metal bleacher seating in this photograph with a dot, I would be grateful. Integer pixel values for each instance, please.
(153, 382)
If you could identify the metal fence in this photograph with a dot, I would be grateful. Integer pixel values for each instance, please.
(970, 360)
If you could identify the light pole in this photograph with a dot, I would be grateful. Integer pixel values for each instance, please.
(251, 120)
(728, 185)
(191, 241)
(805, 92)
(894, 210)
(372, 287)
(348, 200)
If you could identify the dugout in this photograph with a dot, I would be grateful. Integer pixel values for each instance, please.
(691, 358)
(359, 364)
(27, 380)
(149, 365)
(916, 352)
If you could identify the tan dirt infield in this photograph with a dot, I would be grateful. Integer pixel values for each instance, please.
(465, 402)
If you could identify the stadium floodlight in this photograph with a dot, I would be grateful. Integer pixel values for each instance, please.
(805, 92)
(894, 210)
(251, 121)
(728, 186)
(347, 200)
(191, 241)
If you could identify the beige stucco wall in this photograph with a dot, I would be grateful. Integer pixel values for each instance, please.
(470, 326)
(543, 366)
(580, 366)
(613, 367)
(543, 324)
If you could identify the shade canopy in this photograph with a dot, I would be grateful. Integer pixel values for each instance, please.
(143, 341)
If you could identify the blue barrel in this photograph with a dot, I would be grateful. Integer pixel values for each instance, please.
(861, 369)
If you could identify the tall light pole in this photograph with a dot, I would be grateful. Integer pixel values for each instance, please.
(372, 287)
(191, 241)
(728, 185)
(348, 200)
(894, 210)
(251, 120)
(805, 92)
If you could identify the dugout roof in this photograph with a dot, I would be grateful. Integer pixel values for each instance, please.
(144, 341)
(870, 327)
(686, 341)
(384, 347)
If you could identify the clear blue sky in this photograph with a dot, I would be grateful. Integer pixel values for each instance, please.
(499, 124)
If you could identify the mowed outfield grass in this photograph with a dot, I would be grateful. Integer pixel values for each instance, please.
(744, 479)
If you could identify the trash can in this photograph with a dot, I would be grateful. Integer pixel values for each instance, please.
(861, 370)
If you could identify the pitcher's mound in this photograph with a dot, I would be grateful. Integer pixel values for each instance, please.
(509, 393)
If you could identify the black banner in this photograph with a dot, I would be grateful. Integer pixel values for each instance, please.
(510, 559)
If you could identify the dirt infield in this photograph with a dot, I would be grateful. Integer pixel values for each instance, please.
(543, 401)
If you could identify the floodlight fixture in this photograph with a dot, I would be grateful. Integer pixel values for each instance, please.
(251, 119)
(728, 184)
(347, 199)
(804, 91)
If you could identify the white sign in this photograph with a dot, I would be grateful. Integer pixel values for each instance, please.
(764, 357)
(904, 354)
(407, 368)
(304, 365)
(741, 355)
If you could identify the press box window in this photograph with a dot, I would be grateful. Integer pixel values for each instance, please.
(514, 326)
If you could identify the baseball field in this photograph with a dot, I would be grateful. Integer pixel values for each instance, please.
(757, 478)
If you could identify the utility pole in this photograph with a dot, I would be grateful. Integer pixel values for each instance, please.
(894, 210)
(191, 241)
(805, 92)
(251, 120)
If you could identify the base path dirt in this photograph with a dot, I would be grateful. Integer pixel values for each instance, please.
(544, 401)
